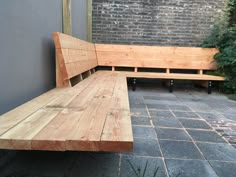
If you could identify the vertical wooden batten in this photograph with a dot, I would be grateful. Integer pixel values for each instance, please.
(66, 11)
(89, 20)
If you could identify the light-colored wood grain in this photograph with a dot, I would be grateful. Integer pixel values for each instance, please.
(74, 57)
(19, 137)
(174, 76)
(156, 57)
(14, 117)
(66, 11)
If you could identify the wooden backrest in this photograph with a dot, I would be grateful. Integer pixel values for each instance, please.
(156, 57)
(74, 56)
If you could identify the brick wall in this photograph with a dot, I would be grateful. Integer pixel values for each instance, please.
(154, 22)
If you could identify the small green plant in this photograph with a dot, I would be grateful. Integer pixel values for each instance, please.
(141, 173)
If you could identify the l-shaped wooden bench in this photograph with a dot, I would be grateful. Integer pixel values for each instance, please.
(89, 109)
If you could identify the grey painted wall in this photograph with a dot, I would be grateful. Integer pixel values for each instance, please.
(27, 54)
(26, 49)
(79, 18)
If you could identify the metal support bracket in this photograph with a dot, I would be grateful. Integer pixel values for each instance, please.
(171, 86)
(209, 90)
(134, 84)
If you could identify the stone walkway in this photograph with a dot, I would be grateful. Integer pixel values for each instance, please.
(184, 134)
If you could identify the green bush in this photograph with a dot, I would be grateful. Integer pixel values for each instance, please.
(223, 37)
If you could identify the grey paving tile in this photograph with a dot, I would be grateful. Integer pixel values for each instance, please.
(195, 124)
(158, 113)
(172, 134)
(210, 116)
(166, 122)
(139, 163)
(199, 106)
(157, 106)
(189, 168)
(95, 164)
(230, 116)
(151, 97)
(224, 169)
(189, 115)
(207, 136)
(216, 151)
(146, 147)
(139, 112)
(144, 132)
(179, 108)
(179, 149)
(140, 120)
(137, 105)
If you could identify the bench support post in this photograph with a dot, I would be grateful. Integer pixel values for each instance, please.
(171, 86)
(134, 84)
(209, 90)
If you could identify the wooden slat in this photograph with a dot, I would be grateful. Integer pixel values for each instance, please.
(74, 56)
(155, 56)
(67, 26)
(174, 76)
(87, 135)
(54, 135)
(14, 117)
(19, 137)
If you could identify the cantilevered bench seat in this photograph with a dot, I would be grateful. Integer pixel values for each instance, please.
(89, 109)
(91, 116)
(168, 59)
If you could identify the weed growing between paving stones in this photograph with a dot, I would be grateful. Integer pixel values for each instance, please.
(141, 173)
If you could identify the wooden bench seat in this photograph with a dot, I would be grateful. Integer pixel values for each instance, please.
(89, 109)
(169, 59)
(91, 116)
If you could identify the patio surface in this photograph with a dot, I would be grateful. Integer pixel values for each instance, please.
(187, 133)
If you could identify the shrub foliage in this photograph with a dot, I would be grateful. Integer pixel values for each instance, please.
(223, 36)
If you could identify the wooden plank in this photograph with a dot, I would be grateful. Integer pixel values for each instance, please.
(155, 56)
(66, 12)
(19, 137)
(60, 82)
(167, 70)
(174, 76)
(53, 137)
(74, 56)
(89, 20)
(200, 71)
(117, 133)
(160, 63)
(155, 49)
(86, 136)
(14, 117)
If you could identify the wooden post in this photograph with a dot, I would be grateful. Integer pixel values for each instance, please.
(67, 28)
(89, 20)
(200, 71)
(167, 71)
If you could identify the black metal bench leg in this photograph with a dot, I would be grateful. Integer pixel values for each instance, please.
(171, 85)
(134, 84)
(209, 90)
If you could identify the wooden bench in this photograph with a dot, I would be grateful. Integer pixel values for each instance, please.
(169, 59)
(89, 109)
(93, 115)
